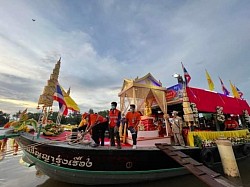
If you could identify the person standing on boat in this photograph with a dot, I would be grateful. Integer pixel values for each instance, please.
(177, 125)
(114, 124)
(98, 125)
(132, 119)
(230, 124)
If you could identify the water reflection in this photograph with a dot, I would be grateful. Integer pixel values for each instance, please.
(15, 174)
(187, 180)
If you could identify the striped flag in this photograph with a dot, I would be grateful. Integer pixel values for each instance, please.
(210, 82)
(239, 92)
(234, 90)
(58, 96)
(186, 75)
(225, 91)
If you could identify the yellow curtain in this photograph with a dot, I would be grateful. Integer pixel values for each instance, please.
(161, 99)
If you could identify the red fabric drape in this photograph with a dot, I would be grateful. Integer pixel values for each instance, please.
(206, 101)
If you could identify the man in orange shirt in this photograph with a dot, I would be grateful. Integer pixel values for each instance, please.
(98, 124)
(114, 124)
(132, 119)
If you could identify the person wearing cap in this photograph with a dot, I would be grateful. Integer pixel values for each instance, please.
(114, 124)
(132, 119)
(177, 125)
(98, 125)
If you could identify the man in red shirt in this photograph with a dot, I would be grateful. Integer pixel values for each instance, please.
(114, 124)
(231, 124)
(132, 119)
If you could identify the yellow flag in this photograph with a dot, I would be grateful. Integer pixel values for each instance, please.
(210, 82)
(71, 104)
(234, 90)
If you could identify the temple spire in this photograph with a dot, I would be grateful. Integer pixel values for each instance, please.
(46, 99)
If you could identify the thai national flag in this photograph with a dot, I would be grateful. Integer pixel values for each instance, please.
(58, 96)
(240, 93)
(225, 91)
(186, 75)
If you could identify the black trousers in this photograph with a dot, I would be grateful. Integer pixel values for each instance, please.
(134, 135)
(113, 135)
(98, 132)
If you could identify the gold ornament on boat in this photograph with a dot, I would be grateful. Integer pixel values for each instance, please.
(46, 98)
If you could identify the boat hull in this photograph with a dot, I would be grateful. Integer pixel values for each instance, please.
(87, 177)
(81, 164)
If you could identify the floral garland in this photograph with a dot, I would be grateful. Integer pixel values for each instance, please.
(246, 116)
(220, 116)
(234, 141)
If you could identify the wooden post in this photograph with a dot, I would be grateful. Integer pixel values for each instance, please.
(124, 133)
(227, 157)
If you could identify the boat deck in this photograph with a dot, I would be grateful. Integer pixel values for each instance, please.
(63, 140)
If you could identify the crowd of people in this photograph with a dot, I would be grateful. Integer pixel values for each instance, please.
(97, 126)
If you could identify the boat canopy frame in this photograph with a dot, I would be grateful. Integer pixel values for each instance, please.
(142, 90)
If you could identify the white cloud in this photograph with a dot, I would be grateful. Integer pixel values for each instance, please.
(101, 43)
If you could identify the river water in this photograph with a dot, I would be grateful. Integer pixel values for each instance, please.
(15, 173)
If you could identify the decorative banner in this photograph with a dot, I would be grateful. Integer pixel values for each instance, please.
(174, 93)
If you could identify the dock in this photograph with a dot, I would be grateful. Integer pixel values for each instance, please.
(205, 174)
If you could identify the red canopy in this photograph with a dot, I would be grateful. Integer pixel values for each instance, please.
(207, 101)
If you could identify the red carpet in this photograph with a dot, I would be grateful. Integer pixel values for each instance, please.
(66, 135)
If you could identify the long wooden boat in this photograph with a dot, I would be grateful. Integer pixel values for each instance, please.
(82, 164)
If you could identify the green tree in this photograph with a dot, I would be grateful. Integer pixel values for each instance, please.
(104, 113)
(4, 118)
(91, 111)
(74, 118)
(16, 115)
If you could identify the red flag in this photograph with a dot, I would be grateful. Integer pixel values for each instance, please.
(58, 96)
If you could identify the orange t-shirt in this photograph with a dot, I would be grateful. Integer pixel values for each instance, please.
(133, 118)
(95, 118)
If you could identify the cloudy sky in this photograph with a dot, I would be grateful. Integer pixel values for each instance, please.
(103, 42)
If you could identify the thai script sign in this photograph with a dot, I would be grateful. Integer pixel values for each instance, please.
(78, 161)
